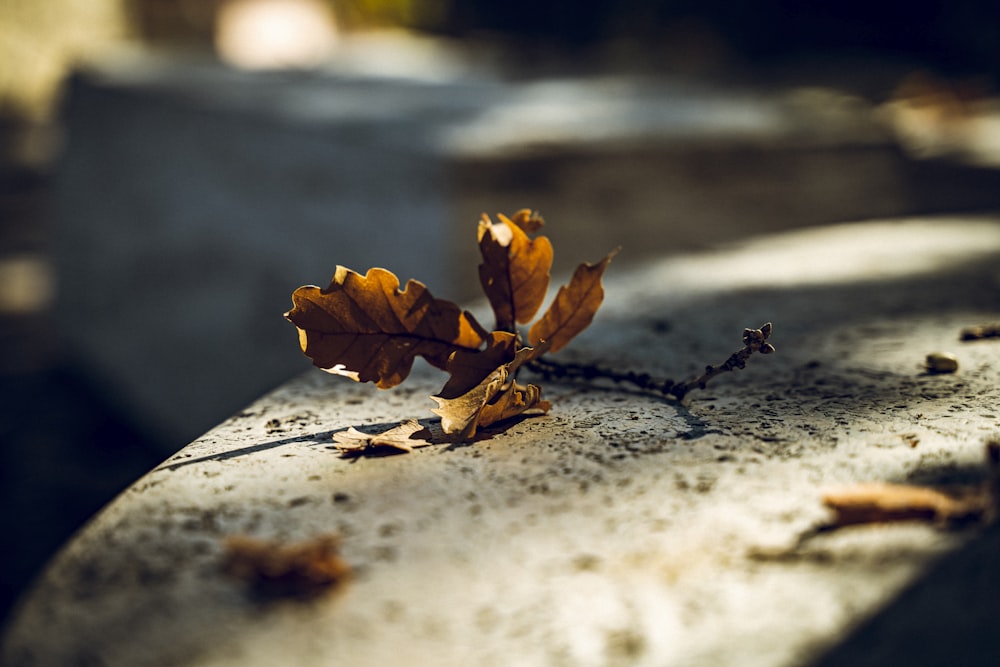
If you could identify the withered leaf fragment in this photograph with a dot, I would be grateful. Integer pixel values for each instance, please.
(368, 329)
(404, 438)
(468, 368)
(496, 398)
(528, 220)
(275, 568)
(878, 502)
(515, 268)
(573, 308)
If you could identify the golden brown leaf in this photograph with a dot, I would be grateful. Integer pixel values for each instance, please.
(353, 442)
(528, 220)
(496, 398)
(301, 569)
(469, 367)
(879, 503)
(515, 269)
(573, 308)
(512, 400)
(368, 329)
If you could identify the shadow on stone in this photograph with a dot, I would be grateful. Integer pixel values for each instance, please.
(946, 618)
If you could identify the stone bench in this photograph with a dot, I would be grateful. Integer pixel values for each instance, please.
(621, 528)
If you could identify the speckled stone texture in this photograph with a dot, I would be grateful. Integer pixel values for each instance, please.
(620, 529)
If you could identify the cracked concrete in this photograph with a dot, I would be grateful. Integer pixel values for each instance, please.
(620, 529)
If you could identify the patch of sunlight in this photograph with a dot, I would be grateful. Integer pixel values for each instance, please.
(568, 111)
(845, 253)
(27, 285)
(275, 34)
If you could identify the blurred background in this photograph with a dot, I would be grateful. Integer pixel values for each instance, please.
(170, 170)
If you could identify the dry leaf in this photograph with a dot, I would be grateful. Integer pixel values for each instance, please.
(495, 398)
(353, 442)
(515, 269)
(880, 503)
(460, 415)
(513, 400)
(368, 329)
(275, 568)
(528, 220)
(469, 367)
(573, 308)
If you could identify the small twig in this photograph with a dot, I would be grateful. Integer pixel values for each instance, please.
(754, 340)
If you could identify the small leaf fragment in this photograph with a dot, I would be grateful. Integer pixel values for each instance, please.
(302, 569)
(882, 503)
(367, 328)
(496, 398)
(460, 415)
(353, 442)
(574, 307)
(469, 367)
(515, 270)
(528, 220)
(513, 400)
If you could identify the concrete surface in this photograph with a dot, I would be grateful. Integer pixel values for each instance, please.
(620, 529)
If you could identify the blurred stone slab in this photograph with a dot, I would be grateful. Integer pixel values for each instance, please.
(619, 529)
(192, 199)
(191, 202)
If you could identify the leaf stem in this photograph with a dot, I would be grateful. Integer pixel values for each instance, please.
(754, 340)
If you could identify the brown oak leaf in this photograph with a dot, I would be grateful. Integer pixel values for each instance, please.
(404, 437)
(368, 329)
(573, 308)
(515, 269)
(528, 220)
(496, 398)
(468, 368)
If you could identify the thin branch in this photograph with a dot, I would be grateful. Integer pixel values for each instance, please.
(754, 340)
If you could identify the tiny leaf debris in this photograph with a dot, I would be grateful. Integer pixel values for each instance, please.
(369, 329)
(278, 569)
(878, 502)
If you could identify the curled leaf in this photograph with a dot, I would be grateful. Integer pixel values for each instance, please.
(573, 308)
(496, 398)
(469, 367)
(515, 269)
(368, 329)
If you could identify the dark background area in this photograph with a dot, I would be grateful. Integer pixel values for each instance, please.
(67, 446)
